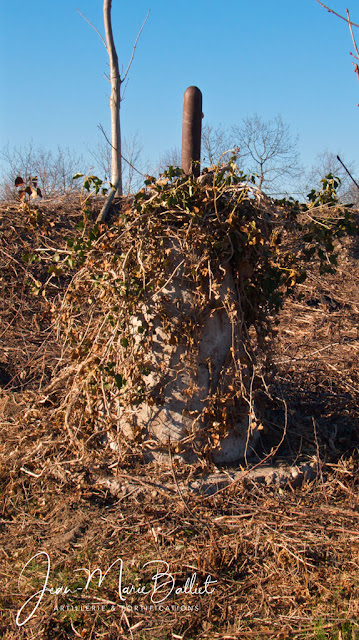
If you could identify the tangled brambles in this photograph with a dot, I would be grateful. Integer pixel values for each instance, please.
(167, 315)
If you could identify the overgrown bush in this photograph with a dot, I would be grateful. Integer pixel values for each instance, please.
(217, 221)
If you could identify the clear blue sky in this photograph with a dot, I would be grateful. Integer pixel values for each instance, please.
(270, 57)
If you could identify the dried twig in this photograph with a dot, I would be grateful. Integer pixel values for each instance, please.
(194, 516)
(269, 455)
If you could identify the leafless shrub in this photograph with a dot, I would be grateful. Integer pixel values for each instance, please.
(327, 162)
(268, 150)
(54, 169)
(133, 168)
(170, 158)
(215, 142)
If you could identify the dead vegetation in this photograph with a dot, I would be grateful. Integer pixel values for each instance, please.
(285, 561)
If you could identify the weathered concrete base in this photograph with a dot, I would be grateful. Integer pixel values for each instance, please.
(198, 369)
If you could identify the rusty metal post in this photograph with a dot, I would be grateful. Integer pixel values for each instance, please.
(191, 131)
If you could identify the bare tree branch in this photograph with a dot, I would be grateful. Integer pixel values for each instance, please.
(134, 47)
(337, 14)
(350, 25)
(267, 149)
(91, 25)
(356, 67)
(124, 89)
(215, 142)
(123, 157)
(352, 34)
(348, 172)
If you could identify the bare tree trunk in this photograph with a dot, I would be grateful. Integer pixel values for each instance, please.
(115, 100)
(261, 175)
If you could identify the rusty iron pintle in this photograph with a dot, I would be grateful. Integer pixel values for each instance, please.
(191, 131)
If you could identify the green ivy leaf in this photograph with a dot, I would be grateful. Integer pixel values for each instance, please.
(120, 381)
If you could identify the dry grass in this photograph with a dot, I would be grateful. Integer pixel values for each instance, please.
(286, 561)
